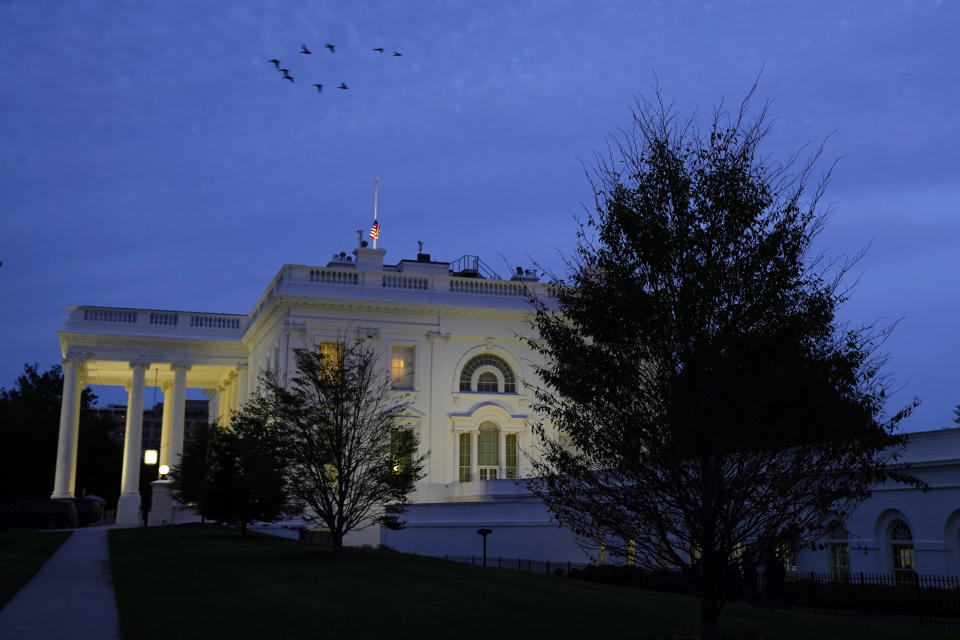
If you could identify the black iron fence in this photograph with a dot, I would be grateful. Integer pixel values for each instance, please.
(922, 599)
(543, 567)
(931, 601)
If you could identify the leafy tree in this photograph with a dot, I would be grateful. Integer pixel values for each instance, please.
(29, 432)
(701, 405)
(236, 475)
(188, 478)
(351, 461)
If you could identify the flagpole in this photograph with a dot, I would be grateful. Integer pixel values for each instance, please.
(376, 181)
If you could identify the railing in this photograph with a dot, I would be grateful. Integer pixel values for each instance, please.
(210, 321)
(109, 315)
(931, 601)
(487, 287)
(331, 276)
(926, 600)
(440, 283)
(542, 567)
(153, 321)
(402, 281)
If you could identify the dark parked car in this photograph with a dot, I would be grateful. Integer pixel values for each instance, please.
(89, 509)
(40, 514)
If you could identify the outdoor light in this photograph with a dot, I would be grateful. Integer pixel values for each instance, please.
(150, 456)
(164, 470)
(484, 533)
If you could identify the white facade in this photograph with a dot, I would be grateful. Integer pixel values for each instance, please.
(454, 344)
(460, 334)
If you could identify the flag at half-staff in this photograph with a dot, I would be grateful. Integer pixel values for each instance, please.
(375, 229)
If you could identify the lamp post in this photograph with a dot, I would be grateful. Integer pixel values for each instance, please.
(484, 533)
(150, 457)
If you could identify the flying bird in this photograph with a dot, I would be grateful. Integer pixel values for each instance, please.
(397, 54)
(287, 76)
(380, 49)
(319, 87)
(329, 46)
(303, 49)
(275, 62)
(343, 86)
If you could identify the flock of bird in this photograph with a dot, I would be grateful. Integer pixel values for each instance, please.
(304, 50)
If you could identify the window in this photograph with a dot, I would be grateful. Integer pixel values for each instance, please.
(839, 551)
(331, 352)
(401, 449)
(901, 548)
(401, 367)
(487, 366)
(488, 451)
(487, 381)
(464, 457)
(510, 455)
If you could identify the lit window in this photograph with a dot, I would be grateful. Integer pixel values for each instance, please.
(464, 457)
(331, 352)
(510, 455)
(401, 367)
(488, 451)
(401, 449)
(489, 379)
(901, 548)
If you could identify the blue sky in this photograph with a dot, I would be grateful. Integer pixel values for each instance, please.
(152, 157)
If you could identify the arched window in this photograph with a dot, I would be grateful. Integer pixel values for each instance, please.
(839, 550)
(901, 549)
(497, 453)
(487, 373)
(488, 451)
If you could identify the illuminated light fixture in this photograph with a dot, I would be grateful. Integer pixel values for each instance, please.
(150, 456)
(164, 470)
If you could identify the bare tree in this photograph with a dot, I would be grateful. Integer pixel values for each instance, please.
(702, 409)
(352, 461)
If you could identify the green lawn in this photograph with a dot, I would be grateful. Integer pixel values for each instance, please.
(205, 582)
(21, 556)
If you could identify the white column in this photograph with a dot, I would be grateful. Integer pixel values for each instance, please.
(474, 469)
(243, 383)
(165, 426)
(502, 457)
(233, 393)
(128, 507)
(178, 402)
(65, 477)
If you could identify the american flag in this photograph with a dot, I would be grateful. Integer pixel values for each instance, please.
(375, 230)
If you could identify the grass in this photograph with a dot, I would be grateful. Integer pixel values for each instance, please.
(22, 553)
(208, 582)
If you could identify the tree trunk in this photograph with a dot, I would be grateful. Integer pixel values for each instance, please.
(243, 528)
(709, 616)
(336, 540)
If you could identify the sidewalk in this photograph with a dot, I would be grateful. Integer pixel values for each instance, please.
(70, 597)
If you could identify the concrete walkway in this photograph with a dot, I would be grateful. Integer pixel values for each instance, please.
(70, 597)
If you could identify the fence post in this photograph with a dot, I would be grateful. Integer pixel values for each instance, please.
(529, 565)
(918, 591)
(569, 566)
(863, 598)
(499, 562)
(548, 567)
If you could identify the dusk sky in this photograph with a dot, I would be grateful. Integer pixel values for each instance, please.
(151, 156)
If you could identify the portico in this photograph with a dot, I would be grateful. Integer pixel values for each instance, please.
(138, 349)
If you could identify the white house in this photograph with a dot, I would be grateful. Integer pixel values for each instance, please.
(452, 335)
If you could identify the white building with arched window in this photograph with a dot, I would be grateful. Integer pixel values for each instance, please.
(451, 337)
